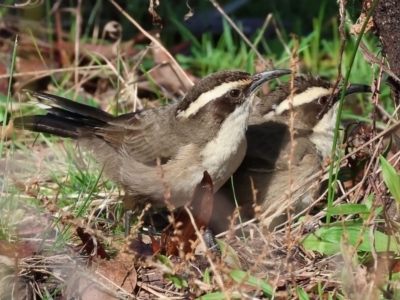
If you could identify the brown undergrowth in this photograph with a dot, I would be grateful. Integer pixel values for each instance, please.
(61, 223)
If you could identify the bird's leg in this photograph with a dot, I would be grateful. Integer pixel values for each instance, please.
(210, 241)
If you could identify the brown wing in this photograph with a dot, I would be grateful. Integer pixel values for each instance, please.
(144, 136)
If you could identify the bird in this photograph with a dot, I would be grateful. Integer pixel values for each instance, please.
(263, 176)
(159, 155)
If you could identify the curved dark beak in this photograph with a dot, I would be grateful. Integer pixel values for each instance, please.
(351, 89)
(354, 88)
(358, 88)
(260, 78)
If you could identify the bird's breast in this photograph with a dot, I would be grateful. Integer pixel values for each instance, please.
(223, 155)
(323, 133)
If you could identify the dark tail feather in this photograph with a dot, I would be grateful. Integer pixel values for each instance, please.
(64, 118)
(51, 124)
(74, 107)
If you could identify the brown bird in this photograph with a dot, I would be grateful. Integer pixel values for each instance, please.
(268, 138)
(204, 132)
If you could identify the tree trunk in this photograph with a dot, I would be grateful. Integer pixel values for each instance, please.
(386, 20)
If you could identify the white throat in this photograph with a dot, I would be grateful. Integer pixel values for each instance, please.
(223, 155)
(323, 133)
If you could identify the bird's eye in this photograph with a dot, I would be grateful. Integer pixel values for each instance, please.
(323, 100)
(234, 93)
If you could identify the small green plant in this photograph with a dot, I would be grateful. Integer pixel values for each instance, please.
(391, 178)
(176, 280)
(328, 239)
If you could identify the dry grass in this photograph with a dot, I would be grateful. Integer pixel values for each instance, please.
(51, 188)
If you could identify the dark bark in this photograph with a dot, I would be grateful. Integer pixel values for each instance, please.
(386, 20)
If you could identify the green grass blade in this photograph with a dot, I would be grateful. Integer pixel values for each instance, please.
(391, 178)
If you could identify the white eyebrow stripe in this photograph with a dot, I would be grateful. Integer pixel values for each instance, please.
(307, 96)
(208, 96)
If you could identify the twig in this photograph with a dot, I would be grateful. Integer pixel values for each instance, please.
(77, 43)
(213, 267)
(293, 64)
(154, 40)
(370, 58)
(260, 57)
(280, 38)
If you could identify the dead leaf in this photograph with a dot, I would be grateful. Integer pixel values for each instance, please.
(89, 246)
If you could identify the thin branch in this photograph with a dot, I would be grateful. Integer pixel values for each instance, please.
(153, 39)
